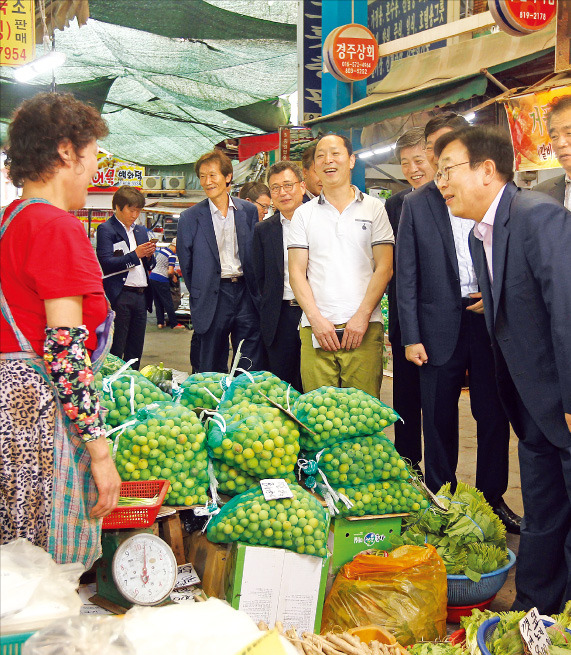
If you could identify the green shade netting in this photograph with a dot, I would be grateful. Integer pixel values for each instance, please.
(165, 104)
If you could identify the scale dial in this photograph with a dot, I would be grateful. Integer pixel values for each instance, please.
(144, 569)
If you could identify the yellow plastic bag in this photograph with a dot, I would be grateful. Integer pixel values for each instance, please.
(404, 592)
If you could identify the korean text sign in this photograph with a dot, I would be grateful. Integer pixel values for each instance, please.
(17, 32)
(527, 120)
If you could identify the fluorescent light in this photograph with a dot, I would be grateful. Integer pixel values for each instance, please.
(382, 151)
(42, 65)
(366, 154)
(470, 117)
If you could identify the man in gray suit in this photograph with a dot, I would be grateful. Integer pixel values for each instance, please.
(520, 246)
(559, 126)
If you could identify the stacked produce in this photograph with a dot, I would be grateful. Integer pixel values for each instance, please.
(231, 481)
(124, 392)
(468, 536)
(299, 523)
(259, 387)
(506, 639)
(202, 390)
(159, 376)
(167, 441)
(389, 497)
(252, 437)
(338, 414)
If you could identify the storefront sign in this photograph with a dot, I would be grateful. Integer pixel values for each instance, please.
(351, 53)
(309, 76)
(520, 17)
(17, 32)
(394, 19)
(113, 172)
(526, 117)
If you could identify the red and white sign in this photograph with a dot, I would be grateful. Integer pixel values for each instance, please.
(351, 53)
(521, 17)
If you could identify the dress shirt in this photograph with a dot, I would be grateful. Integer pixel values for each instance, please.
(485, 230)
(288, 293)
(567, 199)
(136, 276)
(226, 240)
(461, 228)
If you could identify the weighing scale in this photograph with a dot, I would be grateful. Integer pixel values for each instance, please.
(136, 569)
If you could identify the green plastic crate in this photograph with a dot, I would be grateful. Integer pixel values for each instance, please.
(12, 644)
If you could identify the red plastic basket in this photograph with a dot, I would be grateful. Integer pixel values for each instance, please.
(137, 517)
(455, 613)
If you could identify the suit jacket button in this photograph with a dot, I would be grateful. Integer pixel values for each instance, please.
(215, 291)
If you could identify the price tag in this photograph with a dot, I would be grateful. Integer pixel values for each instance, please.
(534, 634)
(186, 577)
(275, 489)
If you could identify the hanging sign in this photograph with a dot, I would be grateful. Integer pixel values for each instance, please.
(521, 17)
(526, 117)
(351, 53)
(17, 32)
(114, 172)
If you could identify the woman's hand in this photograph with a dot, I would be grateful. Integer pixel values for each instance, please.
(106, 477)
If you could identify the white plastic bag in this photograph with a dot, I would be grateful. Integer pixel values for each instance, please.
(34, 590)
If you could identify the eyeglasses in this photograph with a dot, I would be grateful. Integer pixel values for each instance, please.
(287, 187)
(444, 174)
(266, 208)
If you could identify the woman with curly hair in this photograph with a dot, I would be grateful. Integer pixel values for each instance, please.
(57, 478)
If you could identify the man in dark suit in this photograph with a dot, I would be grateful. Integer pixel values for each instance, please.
(280, 312)
(520, 245)
(559, 127)
(444, 333)
(126, 256)
(406, 384)
(215, 254)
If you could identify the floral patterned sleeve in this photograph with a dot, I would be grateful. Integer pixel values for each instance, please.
(68, 363)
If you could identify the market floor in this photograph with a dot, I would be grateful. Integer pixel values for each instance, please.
(173, 349)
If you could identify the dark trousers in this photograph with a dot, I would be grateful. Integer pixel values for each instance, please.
(162, 298)
(440, 388)
(130, 323)
(237, 318)
(283, 354)
(406, 403)
(543, 573)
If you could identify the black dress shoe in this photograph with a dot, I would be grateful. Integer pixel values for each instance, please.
(510, 519)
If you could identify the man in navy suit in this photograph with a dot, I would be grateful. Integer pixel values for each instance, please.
(406, 384)
(126, 256)
(444, 333)
(280, 312)
(559, 128)
(214, 241)
(521, 246)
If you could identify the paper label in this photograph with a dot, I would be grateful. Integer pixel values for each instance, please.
(534, 634)
(275, 489)
(186, 577)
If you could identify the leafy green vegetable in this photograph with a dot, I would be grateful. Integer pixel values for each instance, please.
(440, 648)
(468, 535)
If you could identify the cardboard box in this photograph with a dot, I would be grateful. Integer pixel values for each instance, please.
(274, 584)
(350, 536)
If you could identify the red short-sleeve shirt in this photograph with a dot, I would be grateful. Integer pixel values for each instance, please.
(45, 254)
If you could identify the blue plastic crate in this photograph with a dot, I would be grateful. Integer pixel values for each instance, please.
(486, 633)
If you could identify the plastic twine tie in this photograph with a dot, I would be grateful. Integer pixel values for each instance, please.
(213, 483)
(329, 500)
(219, 420)
(120, 429)
(216, 399)
(237, 356)
(210, 510)
(108, 381)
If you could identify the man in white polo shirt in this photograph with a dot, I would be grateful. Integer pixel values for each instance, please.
(340, 261)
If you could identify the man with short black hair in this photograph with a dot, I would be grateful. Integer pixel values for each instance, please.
(258, 194)
(520, 246)
(444, 333)
(340, 251)
(126, 256)
(559, 128)
(406, 384)
(214, 242)
(280, 312)
(312, 182)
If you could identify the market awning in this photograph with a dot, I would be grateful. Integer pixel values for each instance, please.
(438, 77)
